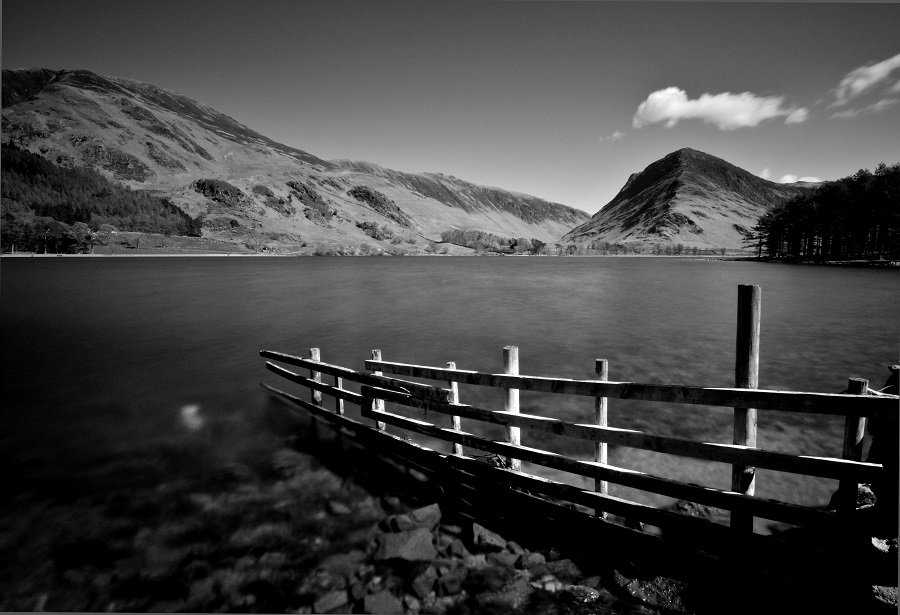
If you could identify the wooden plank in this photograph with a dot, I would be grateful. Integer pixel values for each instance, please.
(377, 380)
(513, 434)
(746, 376)
(761, 399)
(377, 404)
(601, 417)
(341, 394)
(769, 509)
(824, 467)
(854, 432)
(315, 395)
(456, 422)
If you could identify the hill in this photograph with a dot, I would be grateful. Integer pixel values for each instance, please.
(248, 188)
(687, 197)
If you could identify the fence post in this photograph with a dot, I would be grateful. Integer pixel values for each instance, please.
(338, 402)
(378, 404)
(601, 368)
(315, 396)
(854, 432)
(746, 376)
(454, 399)
(511, 366)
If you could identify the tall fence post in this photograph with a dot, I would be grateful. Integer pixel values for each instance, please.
(601, 451)
(454, 399)
(854, 432)
(746, 376)
(511, 366)
(315, 396)
(378, 404)
(338, 402)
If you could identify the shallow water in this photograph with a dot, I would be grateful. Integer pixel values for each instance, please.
(109, 355)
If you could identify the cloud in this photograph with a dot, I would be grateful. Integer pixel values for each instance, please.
(765, 174)
(864, 78)
(727, 111)
(790, 179)
(616, 136)
(877, 107)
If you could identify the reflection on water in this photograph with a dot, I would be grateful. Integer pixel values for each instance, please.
(104, 356)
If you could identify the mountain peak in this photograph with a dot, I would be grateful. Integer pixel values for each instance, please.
(689, 197)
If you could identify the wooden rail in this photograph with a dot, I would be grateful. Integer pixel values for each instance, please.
(379, 387)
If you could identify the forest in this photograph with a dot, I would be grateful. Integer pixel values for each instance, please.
(488, 242)
(853, 218)
(47, 208)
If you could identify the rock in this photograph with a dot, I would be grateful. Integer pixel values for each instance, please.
(503, 558)
(489, 578)
(391, 504)
(451, 582)
(885, 594)
(513, 547)
(511, 596)
(357, 591)
(582, 593)
(411, 604)
(384, 602)
(692, 509)
(330, 601)
(659, 592)
(865, 497)
(453, 530)
(344, 564)
(548, 582)
(337, 508)
(565, 570)
(412, 546)
(473, 562)
(530, 560)
(486, 539)
(457, 549)
(427, 517)
(593, 582)
(424, 583)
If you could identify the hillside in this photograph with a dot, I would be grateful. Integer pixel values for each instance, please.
(248, 188)
(687, 197)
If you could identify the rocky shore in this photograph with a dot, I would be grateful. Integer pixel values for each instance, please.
(286, 535)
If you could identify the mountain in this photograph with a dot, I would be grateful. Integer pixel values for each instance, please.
(687, 197)
(249, 188)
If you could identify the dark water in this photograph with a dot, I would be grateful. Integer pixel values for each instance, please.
(103, 355)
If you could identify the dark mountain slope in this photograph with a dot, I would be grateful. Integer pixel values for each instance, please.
(687, 197)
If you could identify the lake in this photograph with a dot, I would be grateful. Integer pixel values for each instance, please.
(103, 355)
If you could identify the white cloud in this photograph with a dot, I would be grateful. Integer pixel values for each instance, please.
(790, 179)
(864, 78)
(727, 111)
(616, 136)
(877, 107)
(765, 174)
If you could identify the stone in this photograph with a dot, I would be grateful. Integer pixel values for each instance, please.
(330, 601)
(412, 546)
(487, 540)
(451, 582)
(427, 517)
(582, 593)
(511, 596)
(337, 508)
(412, 604)
(453, 530)
(344, 564)
(659, 592)
(391, 504)
(457, 549)
(513, 547)
(565, 570)
(530, 560)
(424, 583)
(489, 578)
(503, 558)
(548, 582)
(475, 561)
(384, 602)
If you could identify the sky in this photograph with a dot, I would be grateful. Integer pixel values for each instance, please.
(561, 100)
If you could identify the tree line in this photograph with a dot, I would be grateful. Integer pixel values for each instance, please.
(50, 208)
(856, 217)
(488, 242)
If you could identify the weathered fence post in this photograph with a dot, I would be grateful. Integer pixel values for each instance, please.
(315, 396)
(746, 376)
(601, 368)
(454, 399)
(854, 432)
(338, 402)
(511, 366)
(378, 404)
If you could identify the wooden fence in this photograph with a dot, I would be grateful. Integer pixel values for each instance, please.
(379, 384)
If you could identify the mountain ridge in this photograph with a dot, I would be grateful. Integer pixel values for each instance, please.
(153, 139)
(689, 197)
